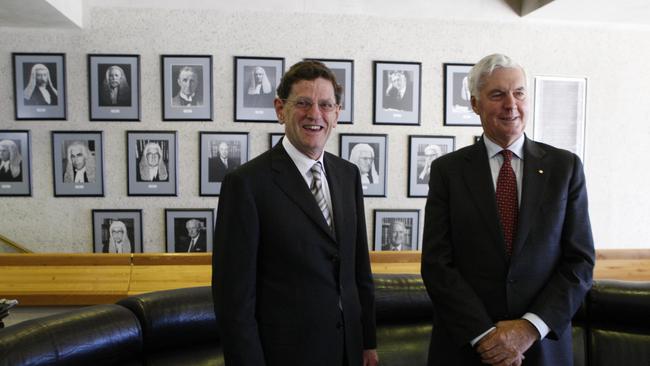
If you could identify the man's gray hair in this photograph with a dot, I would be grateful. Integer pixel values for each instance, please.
(485, 67)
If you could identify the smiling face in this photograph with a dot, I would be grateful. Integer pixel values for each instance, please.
(308, 129)
(502, 105)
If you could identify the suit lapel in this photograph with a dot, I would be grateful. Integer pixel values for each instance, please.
(291, 182)
(334, 181)
(534, 182)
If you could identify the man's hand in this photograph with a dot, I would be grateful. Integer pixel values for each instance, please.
(507, 343)
(370, 357)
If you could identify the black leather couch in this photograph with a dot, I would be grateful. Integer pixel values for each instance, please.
(178, 327)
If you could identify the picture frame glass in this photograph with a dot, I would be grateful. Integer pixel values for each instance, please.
(187, 88)
(117, 231)
(152, 163)
(457, 99)
(423, 150)
(189, 230)
(78, 164)
(114, 82)
(39, 86)
(221, 153)
(397, 230)
(256, 81)
(369, 154)
(15, 163)
(397, 93)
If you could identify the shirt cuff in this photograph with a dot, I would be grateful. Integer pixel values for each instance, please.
(474, 341)
(538, 323)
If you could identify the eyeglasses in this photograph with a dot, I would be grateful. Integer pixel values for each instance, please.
(325, 106)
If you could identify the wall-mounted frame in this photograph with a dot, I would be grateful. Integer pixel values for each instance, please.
(220, 153)
(186, 87)
(274, 138)
(114, 87)
(117, 231)
(423, 150)
(152, 163)
(15, 163)
(344, 72)
(78, 163)
(560, 112)
(457, 101)
(256, 79)
(189, 230)
(369, 152)
(397, 92)
(39, 86)
(396, 230)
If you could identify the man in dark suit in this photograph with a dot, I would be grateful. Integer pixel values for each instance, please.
(505, 278)
(291, 273)
(221, 163)
(194, 242)
(115, 89)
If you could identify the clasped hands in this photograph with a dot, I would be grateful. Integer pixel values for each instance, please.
(505, 345)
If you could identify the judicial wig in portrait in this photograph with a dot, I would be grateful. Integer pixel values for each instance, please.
(15, 163)
(39, 86)
(117, 231)
(78, 163)
(423, 150)
(187, 87)
(114, 83)
(369, 154)
(256, 80)
(152, 163)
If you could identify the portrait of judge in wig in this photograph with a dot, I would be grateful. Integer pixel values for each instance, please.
(10, 160)
(118, 240)
(115, 89)
(363, 155)
(40, 90)
(79, 163)
(260, 91)
(152, 167)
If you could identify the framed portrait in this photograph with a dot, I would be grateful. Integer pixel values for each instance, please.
(114, 87)
(15, 163)
(274, 138)
(256, 79)
(397, 230)
(39, 86)
(221, 153)
(457, 101)
(187, 87)
(397, 93)
(152, 165)
(189, 230)
(117, 231)
(344, 72)
(78, 163)
(423, 150)
(369, 154)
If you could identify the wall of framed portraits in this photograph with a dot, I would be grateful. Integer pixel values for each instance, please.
(199, 84)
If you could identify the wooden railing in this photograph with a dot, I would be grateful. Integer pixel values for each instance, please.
(84, 279)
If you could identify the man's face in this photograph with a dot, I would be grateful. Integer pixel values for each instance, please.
(259, 75)
(117, 234)
(152, 158)
(4, 153)
(502, 105)
(187, 81)
(308, 129)
(41, 77)
(223, 150)
(192, 229)
(77, 156)
(114, 76)
(397, 235)
(399, 80)
(365, 161)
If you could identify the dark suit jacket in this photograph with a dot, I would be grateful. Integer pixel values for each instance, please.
(8, 177)
(38, 99)
(123, 97)
(279, 271)
(183, 245)
(471, 281)
(405, 103)
(217, 170)
(177, 101)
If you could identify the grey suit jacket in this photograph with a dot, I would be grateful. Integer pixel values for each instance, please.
(279, 271)
(470, 279)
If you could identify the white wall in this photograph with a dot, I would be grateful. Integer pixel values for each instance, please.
(614, 60)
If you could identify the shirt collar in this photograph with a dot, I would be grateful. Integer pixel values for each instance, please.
(187, 97)
(516, 147)
(302, 161)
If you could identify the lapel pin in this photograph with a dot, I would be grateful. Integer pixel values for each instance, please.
(540, 171)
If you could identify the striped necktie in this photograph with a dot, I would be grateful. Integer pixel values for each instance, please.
(317, 191)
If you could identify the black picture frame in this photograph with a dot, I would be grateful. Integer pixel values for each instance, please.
(15, 176)
(253, 101)
(212, 169)
(457, 101)
(143, 179)
(274, 138)
(180, 225)
(103, 220)
(177, 72)
(78, 163)
(109, 99)
(423, 150)
(396, 89)
(402, 226)
(30, 104)
(361, 148)
(344, 72)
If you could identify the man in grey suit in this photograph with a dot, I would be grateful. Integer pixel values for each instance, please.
(291, 274)
(507, 258)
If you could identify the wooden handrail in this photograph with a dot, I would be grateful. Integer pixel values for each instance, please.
(13, 244)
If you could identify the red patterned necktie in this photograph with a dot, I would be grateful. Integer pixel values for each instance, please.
(507, 200)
